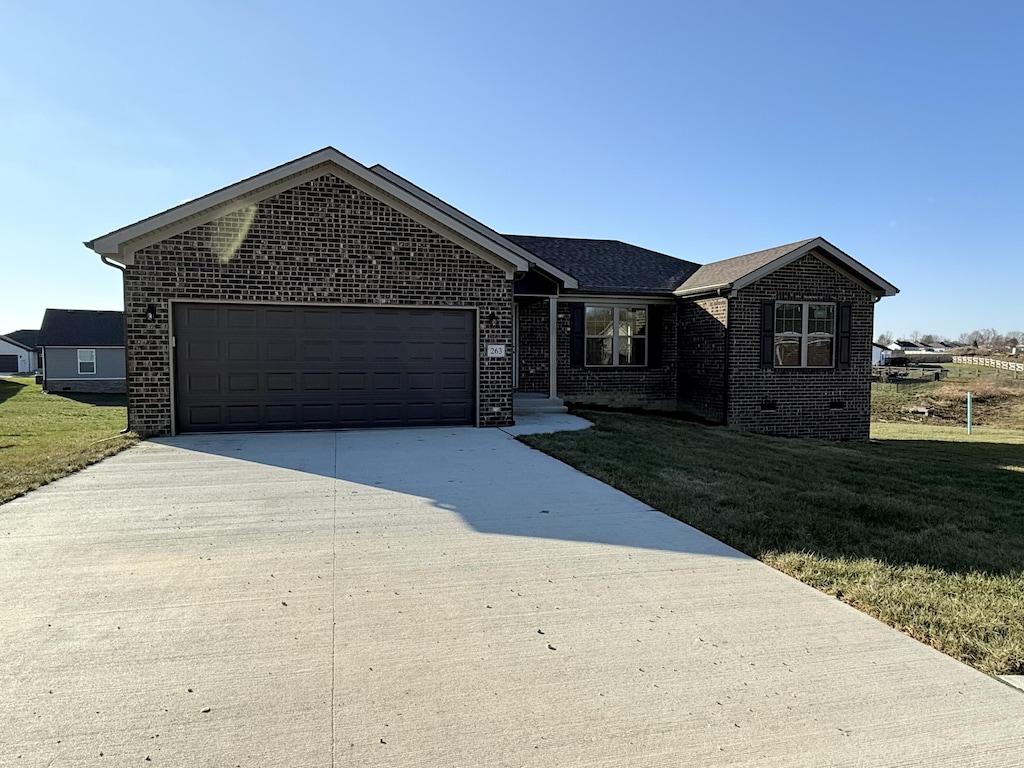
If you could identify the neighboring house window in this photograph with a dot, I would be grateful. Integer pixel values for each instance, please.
(86, 361)
(804, 334)
(616, 336)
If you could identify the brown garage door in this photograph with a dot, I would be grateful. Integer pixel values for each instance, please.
(253, 367)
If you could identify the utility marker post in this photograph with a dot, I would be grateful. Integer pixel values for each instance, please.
(970, 411)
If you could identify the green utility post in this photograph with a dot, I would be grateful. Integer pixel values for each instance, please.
(970, 411)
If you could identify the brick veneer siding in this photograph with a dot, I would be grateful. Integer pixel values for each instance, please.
(703, 334)
(534, 344)
(321, 242)
(803, 397)
(642, 387)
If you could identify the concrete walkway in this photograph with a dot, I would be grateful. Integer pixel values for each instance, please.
(442, 597)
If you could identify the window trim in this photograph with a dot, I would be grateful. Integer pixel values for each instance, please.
(804, 336)
(615, 336)
(92, 361)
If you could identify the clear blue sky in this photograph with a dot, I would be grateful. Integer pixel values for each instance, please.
(704, 130)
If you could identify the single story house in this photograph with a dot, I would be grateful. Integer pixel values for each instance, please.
(28, 337)
(327, 294)
(880, 354)
(16, 356)
(83, 351)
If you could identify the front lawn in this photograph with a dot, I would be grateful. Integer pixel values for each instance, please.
(922, 528)
(44, 437)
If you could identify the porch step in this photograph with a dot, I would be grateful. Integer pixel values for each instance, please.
(524, 403)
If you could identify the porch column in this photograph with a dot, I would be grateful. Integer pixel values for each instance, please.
(553, 346)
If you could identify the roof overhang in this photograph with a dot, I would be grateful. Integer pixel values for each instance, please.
(122, 244)
(821, 248)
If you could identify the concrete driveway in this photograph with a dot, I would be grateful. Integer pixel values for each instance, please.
(435, 597)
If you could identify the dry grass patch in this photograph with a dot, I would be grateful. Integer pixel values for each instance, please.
(44, 437)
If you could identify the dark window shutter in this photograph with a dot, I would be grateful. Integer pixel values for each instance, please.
(655, 334)
(767, 333)
(845, 335)
(576, 337)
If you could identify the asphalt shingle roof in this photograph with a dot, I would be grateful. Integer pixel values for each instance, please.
(728, 271)
(27, 338)
(609, 265)
(82, 327)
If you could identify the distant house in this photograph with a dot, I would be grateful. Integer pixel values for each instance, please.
(30, 339)
(880, 354)
(83, 350)
(905, 345)
(16, 356)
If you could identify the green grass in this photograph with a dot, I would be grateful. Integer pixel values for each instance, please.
(922, 528)
(44, 437)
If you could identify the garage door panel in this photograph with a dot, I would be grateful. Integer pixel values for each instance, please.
(281, 351)
(202, 350)
(242, 351)
(285, 317)
(387, 382)
(317, 351)
(317, 319)
(242, 367)
(204, 416)
(242, 317)
(243, 382)
(316, 382)
(247, 415)
(353, 382)
(205, 316)
(202, 383)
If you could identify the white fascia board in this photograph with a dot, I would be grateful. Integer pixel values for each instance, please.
(716, 289)
(850, 267)
(483, 230)
(122, 244)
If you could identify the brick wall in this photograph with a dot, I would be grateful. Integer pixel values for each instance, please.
(833, 403)
(320, 242)
(703, 335)
(534, 342)
(642, 387)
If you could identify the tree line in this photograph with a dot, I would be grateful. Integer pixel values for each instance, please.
(983, 337)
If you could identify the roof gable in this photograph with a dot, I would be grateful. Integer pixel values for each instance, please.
(122, 244)
(26, 337)
(740, 271)
(609, 266)
(82, 327)
(14, 342)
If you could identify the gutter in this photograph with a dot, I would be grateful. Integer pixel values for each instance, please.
(124, 320)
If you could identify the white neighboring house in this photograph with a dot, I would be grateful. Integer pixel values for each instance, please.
(879, 354)
(16, 357)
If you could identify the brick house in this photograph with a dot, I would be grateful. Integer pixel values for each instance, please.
(326, 294)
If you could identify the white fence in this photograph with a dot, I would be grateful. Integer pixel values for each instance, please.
(1006, 365)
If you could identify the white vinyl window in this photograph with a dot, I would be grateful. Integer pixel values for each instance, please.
(86, 361)
(805, 333)
(616, 336)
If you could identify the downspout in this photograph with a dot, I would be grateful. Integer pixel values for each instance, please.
(725, 365)
(124, 320)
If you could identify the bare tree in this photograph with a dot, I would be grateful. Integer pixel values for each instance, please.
(885, 339)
